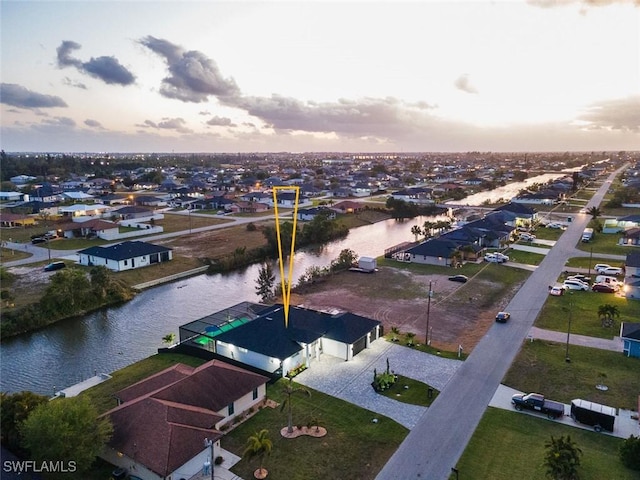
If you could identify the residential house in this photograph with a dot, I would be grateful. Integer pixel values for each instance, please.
(248, 207)
(630, 237)
(348, 206)
(436, 251)
(77, 196)
(419, 195)
(523, 215)
(132, 212)
(16, 220)
(630, 335)
(91, 228)
(81, 212)
(307, 214)
(632, 275)
(125, 255)
(162, 423)
(263, 340)
(615, 225)
(11, 196)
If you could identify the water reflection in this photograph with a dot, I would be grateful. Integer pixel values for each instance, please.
(507, 192)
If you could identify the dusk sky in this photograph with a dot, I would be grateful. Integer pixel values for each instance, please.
(210, 76)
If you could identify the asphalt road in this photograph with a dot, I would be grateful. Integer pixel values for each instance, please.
(436, 443)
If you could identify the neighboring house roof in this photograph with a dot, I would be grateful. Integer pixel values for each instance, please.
(94, 224)
(632, 232)
(630, 218)
(167, 416)
(630, 331)
(268, 335)
(124, 250)
(632, 260)
(436, 247)
(128, 210)
(77, 195)
(518, 208)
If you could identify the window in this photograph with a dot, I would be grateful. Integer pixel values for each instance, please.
(231, 409)
(255, 393)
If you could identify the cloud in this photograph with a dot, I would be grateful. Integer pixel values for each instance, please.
(193, 77)
(177, 124)
(618, 114)
(463, 83)
(19, 96)
(586, 3)
(107, 69)
(73, 83)
(93, 123)
(364, 117)
(59, 122)
(221, 122)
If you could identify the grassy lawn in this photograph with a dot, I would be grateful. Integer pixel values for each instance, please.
(10, 255)
(178, 264)
(427, 349)
(181, 222)
(544, 233)
(509, 445)
(604, 243)
(354, 447)
(583, 307)
(408, 390)
(586, 262)
(528, 258)
(540, 367)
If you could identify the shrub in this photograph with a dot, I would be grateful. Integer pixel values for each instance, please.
(630, 453)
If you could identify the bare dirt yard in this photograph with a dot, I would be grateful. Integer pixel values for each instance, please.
(459, 314)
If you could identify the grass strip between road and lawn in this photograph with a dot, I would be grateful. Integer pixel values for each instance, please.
(509, 445)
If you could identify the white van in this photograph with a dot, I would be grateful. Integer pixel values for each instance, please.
(608, 280)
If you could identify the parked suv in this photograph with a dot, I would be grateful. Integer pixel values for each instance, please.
(611, 271)
(601, 266)
(576, 285)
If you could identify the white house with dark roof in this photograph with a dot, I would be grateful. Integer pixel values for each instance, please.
(632, 276)
(125, 255)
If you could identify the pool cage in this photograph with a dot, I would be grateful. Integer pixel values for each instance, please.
(201, 333)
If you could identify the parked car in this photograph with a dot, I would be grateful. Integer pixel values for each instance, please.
(537, 402)
(37, 240)
(490, 257)
(555, 225)
(459, 278)
(527, 237)
(503, 317)
(611, 271)
(603, 288)
(601, 266)
(582, 278)
(556, 291)
(501, 256)
(576, 285)
(54, 266)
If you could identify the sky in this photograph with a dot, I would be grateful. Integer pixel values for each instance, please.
(323, 76)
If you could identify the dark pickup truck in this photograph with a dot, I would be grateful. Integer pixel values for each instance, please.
(537, 402)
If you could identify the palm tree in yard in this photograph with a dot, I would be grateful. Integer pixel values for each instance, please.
(258, 445)
(595, 212)
(416, 231)
(289, 390)
(607, 314)
(562, 458)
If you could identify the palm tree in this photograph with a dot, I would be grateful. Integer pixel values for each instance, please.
(410, 337)
(595, 212)
(395, 332)
(607, 313)
(562, 458)
(427, 229)
(258, 446)
(416, 231)
(169, 338)
(290, 390)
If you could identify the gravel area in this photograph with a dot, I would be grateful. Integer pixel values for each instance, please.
(351, 381)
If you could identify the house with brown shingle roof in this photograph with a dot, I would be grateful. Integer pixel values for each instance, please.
(162, 422)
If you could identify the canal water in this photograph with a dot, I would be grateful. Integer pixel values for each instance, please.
(506, 192)
(76, 349)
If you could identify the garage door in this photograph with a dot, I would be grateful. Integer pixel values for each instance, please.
(359, 345)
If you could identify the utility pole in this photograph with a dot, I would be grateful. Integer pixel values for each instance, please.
(428, 341)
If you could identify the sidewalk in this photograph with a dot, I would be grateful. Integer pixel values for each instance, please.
(614, 345)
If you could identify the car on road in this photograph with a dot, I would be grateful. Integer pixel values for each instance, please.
(54, 266)
(601, 266)
(459, 278)
(527, 237)
(603, 288)
(555, 225)
(556, 291)
(611, 271)
(37, 240)
(502, 317)
(490, 257)
(576, 285)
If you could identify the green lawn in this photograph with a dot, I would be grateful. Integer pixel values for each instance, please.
(541, 367)
(589, 262)
(529, 258)
(408, 390)
(354, 448)
(604, 243)
(508, 445)
(583, 307)
(544, 233)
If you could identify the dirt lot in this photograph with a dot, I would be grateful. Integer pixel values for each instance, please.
(457, 315)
